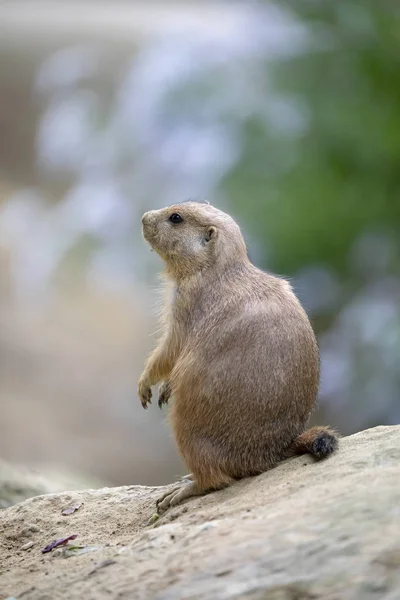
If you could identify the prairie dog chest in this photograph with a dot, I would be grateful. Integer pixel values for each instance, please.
(191, 308)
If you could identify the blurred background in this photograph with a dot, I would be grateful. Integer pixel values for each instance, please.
(286, 115)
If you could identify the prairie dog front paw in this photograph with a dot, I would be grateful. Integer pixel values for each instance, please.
(164, 393)
(144, 392)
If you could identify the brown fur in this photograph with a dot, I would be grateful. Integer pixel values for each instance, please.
(238, 353)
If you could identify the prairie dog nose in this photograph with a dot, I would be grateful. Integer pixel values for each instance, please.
(148, 217)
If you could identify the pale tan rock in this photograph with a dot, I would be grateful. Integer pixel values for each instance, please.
(303, 531)
(17, 483)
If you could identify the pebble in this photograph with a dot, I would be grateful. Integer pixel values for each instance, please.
(27, 546)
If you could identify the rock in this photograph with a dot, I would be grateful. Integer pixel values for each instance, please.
(18, 483)
(303, 531)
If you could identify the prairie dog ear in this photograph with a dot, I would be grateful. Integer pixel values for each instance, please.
(211, 233)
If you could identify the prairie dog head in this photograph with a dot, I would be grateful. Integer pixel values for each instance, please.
(191, 236)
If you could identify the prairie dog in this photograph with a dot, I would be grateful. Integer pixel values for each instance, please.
(238, 354)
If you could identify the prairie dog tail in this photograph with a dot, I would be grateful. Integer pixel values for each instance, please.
(318, 441)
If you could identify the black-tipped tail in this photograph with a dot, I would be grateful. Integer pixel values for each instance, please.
(321, 442)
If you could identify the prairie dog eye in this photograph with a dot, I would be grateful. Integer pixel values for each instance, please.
(175, 218)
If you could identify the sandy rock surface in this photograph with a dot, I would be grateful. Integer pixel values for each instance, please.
(302, 531)
(17, 483)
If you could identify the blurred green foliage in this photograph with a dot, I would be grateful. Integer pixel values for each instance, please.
(311, 191)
